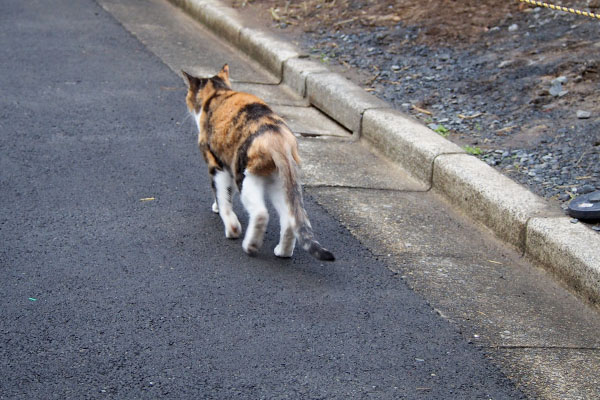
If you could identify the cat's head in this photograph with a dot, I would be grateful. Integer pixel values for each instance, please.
(200, 89)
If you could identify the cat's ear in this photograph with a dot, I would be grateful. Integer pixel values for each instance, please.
(224, 74)
(192, 82)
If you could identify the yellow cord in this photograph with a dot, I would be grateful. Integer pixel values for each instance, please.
(561, 8)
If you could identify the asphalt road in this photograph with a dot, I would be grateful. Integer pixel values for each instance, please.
(104, 295)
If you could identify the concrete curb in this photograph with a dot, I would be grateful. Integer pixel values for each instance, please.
(341, 99)
(568, 250)
(513, 213)
(488, 196)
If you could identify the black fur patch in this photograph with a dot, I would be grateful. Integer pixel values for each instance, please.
(217, 159)
(253, 112)
(319, 252)
(219, 83)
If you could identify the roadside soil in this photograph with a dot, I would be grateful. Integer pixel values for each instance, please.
(516, 85)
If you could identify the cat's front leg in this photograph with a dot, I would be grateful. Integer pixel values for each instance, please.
(223, 183)
(214, 166)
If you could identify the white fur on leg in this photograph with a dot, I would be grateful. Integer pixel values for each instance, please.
(287, 239)
(253, 199)
(224, 192)
(215, 207)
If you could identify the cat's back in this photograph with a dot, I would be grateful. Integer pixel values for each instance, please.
(241, 110)
(237, 119)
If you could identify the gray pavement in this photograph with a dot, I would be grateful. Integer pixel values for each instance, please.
(116, 281)
(108, 296)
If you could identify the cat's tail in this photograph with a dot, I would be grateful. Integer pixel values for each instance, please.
(288, 172)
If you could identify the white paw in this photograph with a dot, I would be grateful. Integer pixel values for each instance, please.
(215, 208)
(233, 228)
(283, 254)
(251, 246)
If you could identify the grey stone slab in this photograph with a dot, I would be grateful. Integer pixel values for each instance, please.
(308, 121)
(496, 296)
(274, 95)
(487, 196)
(571, 251)
(267, 50)
(341, 99)
(220, 19)
(554, 373)
(182, 42)
(336, 162)
(226, 22)
(296, 70)
(405, 141)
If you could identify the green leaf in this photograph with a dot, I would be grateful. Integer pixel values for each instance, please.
(473, 150)
(441, 129)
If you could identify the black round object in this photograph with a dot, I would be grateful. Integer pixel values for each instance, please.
(586, 206)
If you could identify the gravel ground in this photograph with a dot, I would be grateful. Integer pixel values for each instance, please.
(518, 86)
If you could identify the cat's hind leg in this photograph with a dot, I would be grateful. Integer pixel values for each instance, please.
(287, 239)
(253, 199)
(223, 189)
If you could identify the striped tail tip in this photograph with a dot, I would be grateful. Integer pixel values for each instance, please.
(320, 253)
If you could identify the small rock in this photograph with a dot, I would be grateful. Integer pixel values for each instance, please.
(596, 228)
(505, 63)
(581, 114)
(564, 197)
(574, 221)
(513, 28)
(586, 189)
(560, 79)
(557, 90)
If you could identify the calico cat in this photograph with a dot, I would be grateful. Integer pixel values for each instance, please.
(244, 143)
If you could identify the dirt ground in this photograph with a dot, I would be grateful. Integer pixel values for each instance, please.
(482, 73)
(441, 20)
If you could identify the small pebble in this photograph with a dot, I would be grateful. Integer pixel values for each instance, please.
(505, 63)
(564, 197)
(557, 91)
(513, 27)
(596, 228)
(586, 189)
(574, 221)
(581, 114)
